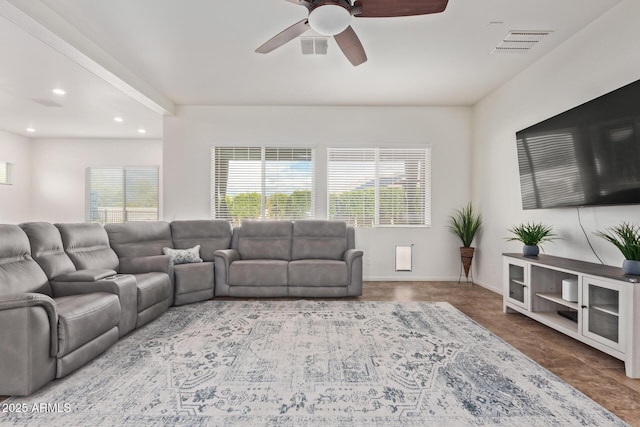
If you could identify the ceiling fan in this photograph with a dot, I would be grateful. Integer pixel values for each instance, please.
(333, 18)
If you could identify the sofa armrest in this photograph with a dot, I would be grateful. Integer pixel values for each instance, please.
(27, 300)
(351, 254)
(227, 255)
(84, 275)
(353, 259)
(108, 284)
(147, 264)
(223, 259)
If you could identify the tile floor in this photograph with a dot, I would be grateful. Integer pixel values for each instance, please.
(596, 374)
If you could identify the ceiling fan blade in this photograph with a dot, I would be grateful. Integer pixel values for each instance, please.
(285, 36)
(390, 8)
(350, 45)
(304, 3)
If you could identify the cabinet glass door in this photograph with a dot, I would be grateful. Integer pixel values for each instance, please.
(518, 292)
(602, 320)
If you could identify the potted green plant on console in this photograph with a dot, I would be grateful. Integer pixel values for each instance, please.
(625, 237)
(465, 224)
(532, 235)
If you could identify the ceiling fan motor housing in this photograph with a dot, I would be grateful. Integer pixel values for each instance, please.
(330, 17)
(333, 18)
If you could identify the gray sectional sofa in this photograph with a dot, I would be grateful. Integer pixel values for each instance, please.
(69, 291)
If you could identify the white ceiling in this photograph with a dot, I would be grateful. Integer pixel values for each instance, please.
(140, 58)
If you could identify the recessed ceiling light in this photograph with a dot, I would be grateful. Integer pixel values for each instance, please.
(118, 119)
(59, 91)
(142, 131)
(31, 130)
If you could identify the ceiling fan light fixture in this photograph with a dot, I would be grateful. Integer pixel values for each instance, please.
(329, 19)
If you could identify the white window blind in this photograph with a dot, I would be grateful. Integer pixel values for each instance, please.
(5, 173)
(262, 183)
(370, 187)
(122, 194)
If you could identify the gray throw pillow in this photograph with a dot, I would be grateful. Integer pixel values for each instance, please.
(183, 256)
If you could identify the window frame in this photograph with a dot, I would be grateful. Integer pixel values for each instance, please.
(263, 187)
(8, 173)
(375, 151)
(89, 217)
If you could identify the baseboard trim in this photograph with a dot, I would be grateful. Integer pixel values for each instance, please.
(429, 279)
(410, 279)
(490, 288)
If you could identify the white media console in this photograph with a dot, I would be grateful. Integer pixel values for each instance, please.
(606, 315)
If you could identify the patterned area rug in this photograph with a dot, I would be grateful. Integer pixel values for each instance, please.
(310, 363)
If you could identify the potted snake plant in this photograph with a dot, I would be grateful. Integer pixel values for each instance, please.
(532, 235)
(625, 237)
(465, 224)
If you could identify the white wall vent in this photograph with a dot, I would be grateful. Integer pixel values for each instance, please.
(519, 41)
(314, 45)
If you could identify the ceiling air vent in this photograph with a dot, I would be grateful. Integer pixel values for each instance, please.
(518, 41)
(46, 102)
(314, 45)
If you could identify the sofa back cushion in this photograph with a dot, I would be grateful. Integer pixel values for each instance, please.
(18, 271)
(211, 235)
(47, 249)
(316, 239)
(87, 244)
(139, 239)
(264, 240)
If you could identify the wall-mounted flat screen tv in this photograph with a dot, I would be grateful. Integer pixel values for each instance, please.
(586, 156)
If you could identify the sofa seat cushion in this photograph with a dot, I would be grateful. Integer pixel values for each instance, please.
(259, 272)
(82, 318)
(193, 277)
(318, 272)
(152, 288)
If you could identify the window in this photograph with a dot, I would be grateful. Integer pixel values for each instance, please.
(5, 173)
(122, 194)
(370, 187)
(261, 183)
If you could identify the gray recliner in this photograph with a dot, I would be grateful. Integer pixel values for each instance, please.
(48, 251)
(45, 336)
(256, 265)
(324, 261)
(87, 244)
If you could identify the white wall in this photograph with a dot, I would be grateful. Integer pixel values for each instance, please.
(600, 58)
(58, 173)
(189, 136)
(15, 204)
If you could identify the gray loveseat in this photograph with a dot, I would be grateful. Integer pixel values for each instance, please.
(308, 258)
